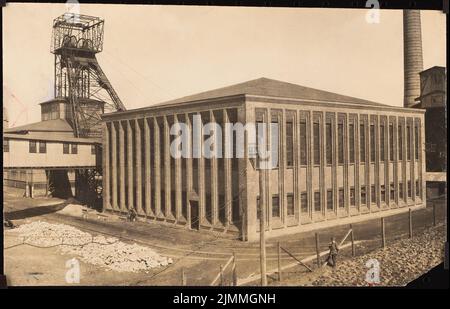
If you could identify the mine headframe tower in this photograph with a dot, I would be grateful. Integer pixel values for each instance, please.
(79, 79)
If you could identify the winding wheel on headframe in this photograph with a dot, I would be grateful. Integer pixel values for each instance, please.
(79, 79)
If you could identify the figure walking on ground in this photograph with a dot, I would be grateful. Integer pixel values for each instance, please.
(334, 249)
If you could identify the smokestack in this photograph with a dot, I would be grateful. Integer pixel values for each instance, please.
(413, 60)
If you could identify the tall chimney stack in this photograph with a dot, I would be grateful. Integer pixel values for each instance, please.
(413, 60)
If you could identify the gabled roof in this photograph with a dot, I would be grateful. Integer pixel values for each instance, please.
(55, 125)
(272, 88)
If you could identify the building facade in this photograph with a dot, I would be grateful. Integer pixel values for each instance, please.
(433, 99)
(45, 157)
(341, 160)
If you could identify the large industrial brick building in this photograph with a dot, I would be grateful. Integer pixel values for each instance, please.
(341, 160)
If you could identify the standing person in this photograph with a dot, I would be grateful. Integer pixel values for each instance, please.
(334, 249)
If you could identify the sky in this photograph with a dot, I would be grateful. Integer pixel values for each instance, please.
(153, 54)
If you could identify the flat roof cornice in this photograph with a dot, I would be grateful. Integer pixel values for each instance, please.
(187, 107)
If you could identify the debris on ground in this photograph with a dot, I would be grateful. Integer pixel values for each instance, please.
(98, 250)
(399, 263)
(8, 224)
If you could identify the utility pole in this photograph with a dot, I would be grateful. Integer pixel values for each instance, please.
(262, 228)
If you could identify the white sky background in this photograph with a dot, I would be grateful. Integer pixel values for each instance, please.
(156, 53)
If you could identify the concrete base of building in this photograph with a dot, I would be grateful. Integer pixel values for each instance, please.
(334, 222)
(230, 231)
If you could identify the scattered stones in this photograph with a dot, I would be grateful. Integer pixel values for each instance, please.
(400, 262)
(98, 250)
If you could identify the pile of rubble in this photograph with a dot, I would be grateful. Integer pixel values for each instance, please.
(399, 263)
(108, 252)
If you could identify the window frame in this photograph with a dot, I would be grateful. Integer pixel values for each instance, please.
(32, 146)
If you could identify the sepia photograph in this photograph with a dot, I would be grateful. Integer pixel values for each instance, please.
(223, 146)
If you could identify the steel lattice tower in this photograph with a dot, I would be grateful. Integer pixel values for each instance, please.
(79, 79)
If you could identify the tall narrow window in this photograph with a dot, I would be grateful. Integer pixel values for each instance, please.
(32, 146)
(316, 129)
(289, 143)
(317, 201)
(330, 200)
(5, 145)
(401, 194)
(329, 141)
(352, 196)
(304, 202)
(408, 142)
(391, 141)
(275, 141)
(341, 198)
(417, 188)
(351, 140)
(409, 189)
(400, 142)
(42, 147)
(66, 148)
(382, 148)
(260, 141)
(392, 192)
(275, 206)
(303, 142)
(340, 141)
(258, 208)
(383, 194)
(74, 148)
(373, 194)
(290, 204)
(372, 143)
(362, 142)
(363, 195)
(416, 142)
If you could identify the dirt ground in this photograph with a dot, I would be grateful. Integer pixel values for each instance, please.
(199, 255)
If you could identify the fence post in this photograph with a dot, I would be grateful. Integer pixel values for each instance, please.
(410, 224)
(317, 250)
(279, 262)
(221, 275)
(434, 214)
(234, 270)
(183, 277)
(383, 233)
(352, 240)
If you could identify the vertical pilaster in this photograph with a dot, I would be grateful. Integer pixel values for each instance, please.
(157, 169)
(346, 164)
(201, 176)
(106, 166)
(309, 169)
(188, 169)
(412, 165)
(148, 169)
(130, 165)
(335, 163)
(214, 172)
(138, 169)
(113, 166)
(227, 169)
(282, 166)
(178, 181)
(357, 164)
(167, 170)
(377, 162)
(122, 178)
(323, 190)
(395, 168)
